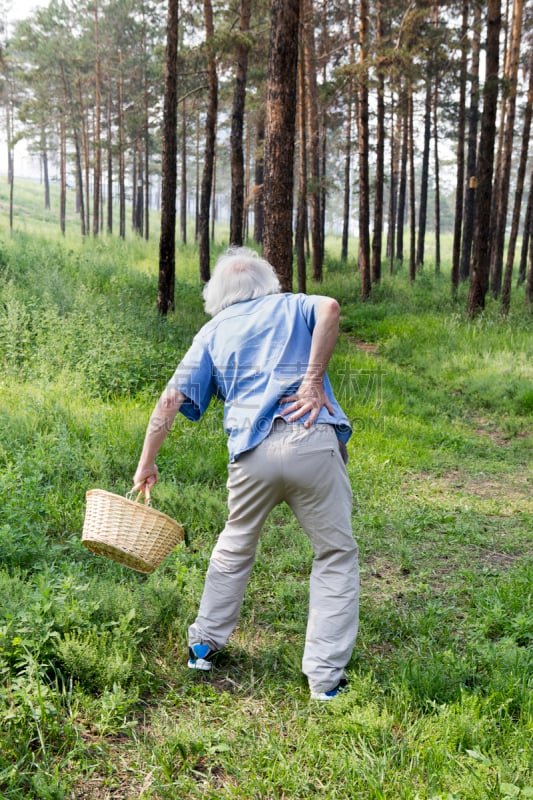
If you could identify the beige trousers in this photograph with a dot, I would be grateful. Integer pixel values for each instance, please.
(304, 468)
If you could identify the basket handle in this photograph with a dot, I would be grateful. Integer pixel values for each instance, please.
(129, 496)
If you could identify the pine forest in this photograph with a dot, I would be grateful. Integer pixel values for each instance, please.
(380, 121)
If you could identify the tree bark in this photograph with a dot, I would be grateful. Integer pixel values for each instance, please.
(121, 150)
(197, 181)
(348, 138)
(403, 121)
(412, 200)
(500, 135)
(183, 181)
(62, 175)
(259, 177)
(424, 177)
(526, 233)
(529, 282)
(279, 138)
(460, 173)
(471, 158)
(393, 195)
(82, 118)
(481, 257)
(70, 105)
(301, 208)
(314, 192)
(519, 190)
(437, 169)
(503, 186)
(210, 139)
(79, 181)
(138, 215)
(109, 165)
(363, 138)
(97, 171)
(167, 240)
(46, 175)
(146, 161)
(237, 126)
(347, 176)
(380, 156)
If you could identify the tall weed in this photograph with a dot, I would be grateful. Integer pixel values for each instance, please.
(95, 696)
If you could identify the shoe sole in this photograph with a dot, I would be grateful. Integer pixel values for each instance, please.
(332, 694)
(200, 663)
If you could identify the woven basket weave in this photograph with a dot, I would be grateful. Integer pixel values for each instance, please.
(127, 531)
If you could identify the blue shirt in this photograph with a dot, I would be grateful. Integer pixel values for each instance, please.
(251, 355)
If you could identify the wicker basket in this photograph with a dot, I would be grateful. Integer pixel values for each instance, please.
(127, 531)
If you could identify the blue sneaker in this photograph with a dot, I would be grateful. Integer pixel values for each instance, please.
(342, 686)
(200, 656)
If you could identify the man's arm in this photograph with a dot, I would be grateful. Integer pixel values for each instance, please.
(310, 396)
(160, 423)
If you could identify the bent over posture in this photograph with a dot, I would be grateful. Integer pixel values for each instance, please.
(265, 355)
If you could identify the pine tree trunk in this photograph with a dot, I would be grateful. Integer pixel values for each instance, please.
(62, 176)
(504, 55)
(10, 164)
(109, 166)
(301, 208)
(471, 158)
(139, 203)
(436, 148)
(79, 182)
(259, 177)
(46, 175)
(210, 139)
(403, 120)
(134, 190)
(121, 151)
(380, 156)
(84, 142)
(519, 190)
(146, 177)
(183, 181)
(10, 152)
(323, 137)
(314, 193)
(347, 177)
(97, 172)
(424, 178)
(247, 172)
(502, 188)
(529, 283)
(504, 58)
(279, 138)
(237, 127)
(479, 274)
(460, 173)
(363, 139)
(393, 195)
(526, 233)
(69, 104)
(197, 181)
(348, 145)
(167, 240)
(214, 197)
(412, 202)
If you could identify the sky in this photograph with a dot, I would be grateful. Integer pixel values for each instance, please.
(20, 9)
(24, 165)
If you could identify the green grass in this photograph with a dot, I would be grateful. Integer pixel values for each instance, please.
(96, 700)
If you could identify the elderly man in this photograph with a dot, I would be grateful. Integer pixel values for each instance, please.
(265, 355)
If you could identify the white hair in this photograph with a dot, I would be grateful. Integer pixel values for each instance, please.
(239, 274)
